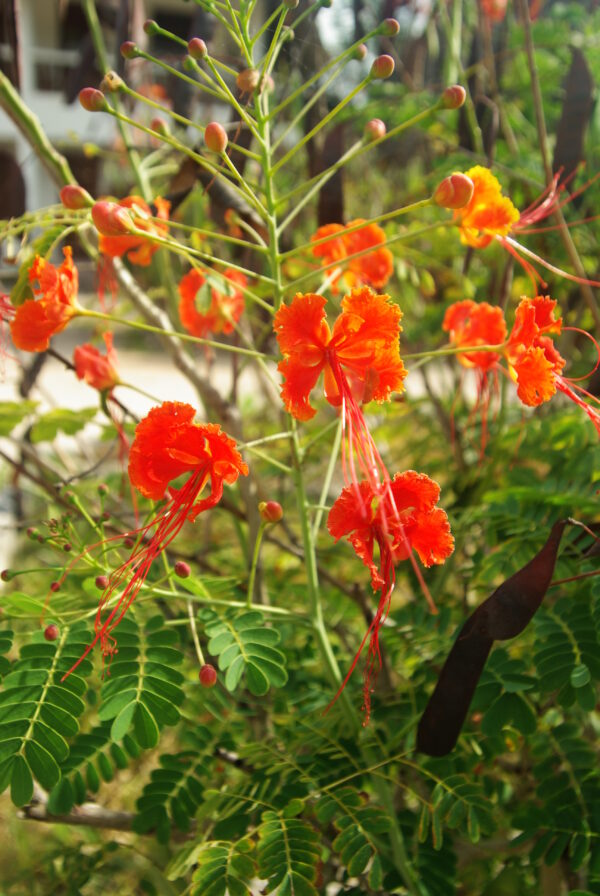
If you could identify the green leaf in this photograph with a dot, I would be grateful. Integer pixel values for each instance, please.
(580, 676)
(12, 413)
(244, 645)
(21, 782)
(62, 798)
(144, 727)
(123, 721)
(47, 427)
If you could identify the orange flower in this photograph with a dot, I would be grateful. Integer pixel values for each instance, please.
(360, 357)
(494, 10)
(139, 249)
(371, 269)
(204, 308)
(37, 320)
(98, 370)
(167, 444)
(469, 323)
(533, 360)
(400, 516)
(488, 214)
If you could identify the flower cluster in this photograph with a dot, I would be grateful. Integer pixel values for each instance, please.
(205, 308)
(531, 358)
(359, 358)
(361, 254)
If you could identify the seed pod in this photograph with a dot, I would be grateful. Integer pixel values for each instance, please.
(208, 676)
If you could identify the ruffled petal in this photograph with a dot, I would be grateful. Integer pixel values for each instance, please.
(535, 377)
(299, 381)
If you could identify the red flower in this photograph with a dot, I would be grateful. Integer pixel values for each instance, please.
(205, 308)
(139, 249)
(532, 358)
(167, 444)
(398, 517)
(37, 320)
(371, 269)
(98, 370)
(469, 323)
(360, 358)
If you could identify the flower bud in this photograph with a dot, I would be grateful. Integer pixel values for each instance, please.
(6, 575)
(248, 81)
(151, 27)
(101, 583)
(75, 197)
(215, 137)
(270, 511)
(197, 48)
(208, 676)
(383, 67)
(360, 52)
(54, 587)
(102, 488)
(51, 632)
(454, 191)
(111, 83)
(182, 569)
(291, 4)
(128, 542)
(92, 100)
(389, 27)
(453, 97)
(375, 129)
(111, 219)
(160, 126)
(67, 546)
(129, 50)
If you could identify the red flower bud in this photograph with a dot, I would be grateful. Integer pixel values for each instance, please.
(55, 586)
(102, 488)
(389, 27)
(215, 137)
(51, 632)
(383, 67)
(454, 191)
(197, 48)
(182, 569)
(375, 129)
(151, 27)
(101, 583)
(6, 575)
(111, 219)
(270, 511)
(208, 676)
(160, 126)
(75, 197)
(67, 546)
(453, 97)
(92, 100)
(360, 52)
(129, 50)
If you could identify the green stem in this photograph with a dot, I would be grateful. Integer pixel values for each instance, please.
(254, 566)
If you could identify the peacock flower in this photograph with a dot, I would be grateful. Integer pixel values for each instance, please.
(471, 324)
(492, 216)
(37, 320)
(350, 251)
(397, 518)
(138, 249)
(98, 370)
(533, 361)
(167, 445)
(359, 357)
(206, 308)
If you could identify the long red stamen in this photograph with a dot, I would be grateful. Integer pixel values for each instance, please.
(168, 524)
(564, 387)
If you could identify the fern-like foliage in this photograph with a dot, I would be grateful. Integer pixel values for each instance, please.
(222, 868)
(176, 789)
(245, 648)
(358, 825)
(38, 710)
(142, 691)
(93, 758)
(288, 853)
